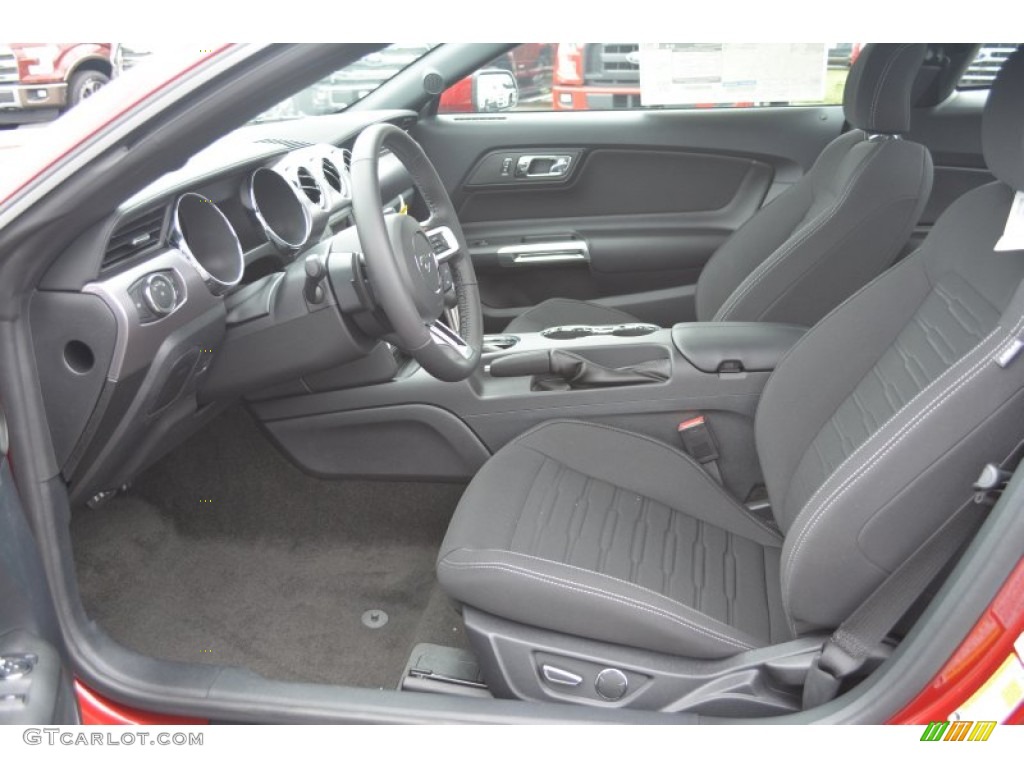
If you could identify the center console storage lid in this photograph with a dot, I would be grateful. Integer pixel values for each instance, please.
(720, 347)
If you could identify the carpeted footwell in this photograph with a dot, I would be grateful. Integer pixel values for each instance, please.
(225, 553)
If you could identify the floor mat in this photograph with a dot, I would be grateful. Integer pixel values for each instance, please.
(225, 553)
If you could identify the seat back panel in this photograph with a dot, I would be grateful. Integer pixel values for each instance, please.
(857, 486)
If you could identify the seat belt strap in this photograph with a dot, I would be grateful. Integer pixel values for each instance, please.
(853, 641)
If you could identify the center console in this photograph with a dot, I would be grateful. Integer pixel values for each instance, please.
(404, 423)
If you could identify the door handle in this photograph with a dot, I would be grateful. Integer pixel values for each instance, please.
(543, 166)
(563, 251)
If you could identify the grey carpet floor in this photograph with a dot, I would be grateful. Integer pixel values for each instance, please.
(225, 553)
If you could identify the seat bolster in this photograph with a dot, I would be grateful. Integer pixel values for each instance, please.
(554, 312)
(582, 602)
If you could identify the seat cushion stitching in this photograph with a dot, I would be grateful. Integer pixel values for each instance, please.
(607, 538)
(738, 507)
(578, 517)
(863, 447)
(921, 394)
(597, 592)
(665, 446)
(885, 449)
(548, 501)
(558, 564)
(529, 493)
(881, 81)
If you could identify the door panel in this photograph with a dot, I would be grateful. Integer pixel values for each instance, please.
(620, 182)
(651, 194)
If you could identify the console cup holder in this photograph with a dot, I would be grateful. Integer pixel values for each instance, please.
(580, 331)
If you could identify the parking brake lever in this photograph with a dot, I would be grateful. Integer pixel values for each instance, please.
(558, 369)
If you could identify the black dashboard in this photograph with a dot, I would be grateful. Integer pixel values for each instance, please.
(130, 321)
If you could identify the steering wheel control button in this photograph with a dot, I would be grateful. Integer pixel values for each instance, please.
(611, 684)
(561, 677)
(447, 284)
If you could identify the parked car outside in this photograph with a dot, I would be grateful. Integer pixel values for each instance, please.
(38, 81)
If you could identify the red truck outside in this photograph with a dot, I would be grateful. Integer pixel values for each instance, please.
(40, 80)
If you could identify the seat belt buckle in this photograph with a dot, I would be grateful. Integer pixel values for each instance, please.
(698, 440)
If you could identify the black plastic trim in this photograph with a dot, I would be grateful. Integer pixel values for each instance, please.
(753, 346)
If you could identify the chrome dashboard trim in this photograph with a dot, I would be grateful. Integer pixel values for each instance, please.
(216, 286)
(272, 235)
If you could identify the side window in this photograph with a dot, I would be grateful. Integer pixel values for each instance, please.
(601, 76)
(986, 64)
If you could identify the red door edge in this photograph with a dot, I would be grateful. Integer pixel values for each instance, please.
(974, 664)
(99, 710)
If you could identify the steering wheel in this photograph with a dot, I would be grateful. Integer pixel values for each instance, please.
(408, 263)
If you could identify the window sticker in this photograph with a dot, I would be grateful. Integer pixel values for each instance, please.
(725, 73)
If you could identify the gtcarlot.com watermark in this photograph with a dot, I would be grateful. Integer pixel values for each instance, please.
(77, 738)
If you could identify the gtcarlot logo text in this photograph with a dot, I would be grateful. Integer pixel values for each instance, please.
(78, 738)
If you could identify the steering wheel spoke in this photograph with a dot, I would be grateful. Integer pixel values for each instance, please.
(445, 336)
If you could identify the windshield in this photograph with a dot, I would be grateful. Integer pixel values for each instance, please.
(334, 93)
(348, 85)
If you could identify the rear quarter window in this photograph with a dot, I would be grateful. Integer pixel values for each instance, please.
(986, 65)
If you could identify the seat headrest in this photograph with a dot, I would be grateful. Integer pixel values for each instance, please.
(1002, 124)
(877, 94)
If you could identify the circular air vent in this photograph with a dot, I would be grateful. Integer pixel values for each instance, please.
(309, 186)
(331, 174)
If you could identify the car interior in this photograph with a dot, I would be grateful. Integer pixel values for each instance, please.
(571, 415)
